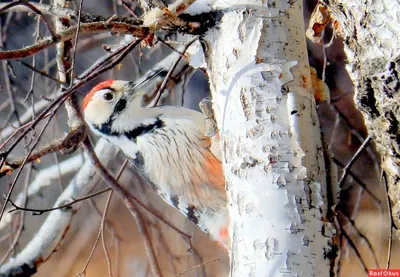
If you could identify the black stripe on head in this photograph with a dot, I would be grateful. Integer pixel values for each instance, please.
(119, 106)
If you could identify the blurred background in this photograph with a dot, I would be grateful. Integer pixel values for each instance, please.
(362, 212)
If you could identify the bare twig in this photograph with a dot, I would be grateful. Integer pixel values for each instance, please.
(44, 9)
(129, 203)
(42, 211)
(10, 190)
(103, 240)
(359, 182)
(73, 138)
(42, 245)
(197, 266)
(101, 230)
(37, 11)
(354, 247)
(76, 41)
(361, 235)
(164, 83)
(40, 72)
(347, 168)
(60, 99)
(129, 8)
(21, 220)
(43, 179)
(391, 222)
(96, 242)
(132, 27)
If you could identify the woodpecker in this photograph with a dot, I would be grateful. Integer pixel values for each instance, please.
(168, 145)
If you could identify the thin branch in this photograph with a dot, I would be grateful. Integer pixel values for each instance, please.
(103, 61)
(10, 190)
(164, 83)
(362, 236)
(13, 110)
(391, 222)
(72, 139)
(197, 266)
(76, 41)
(14, 133)
(43, 73)
(101, 229)
(347, 168)
(103, 240)
(18, 233)
(168, 44)
(37, 11)
(43, 179)
(42, 211)
(129, 203)
(354, 247)
(128, 8)
(56, 224)
(83, 271)
(60, 99)
(131, 27)
(44, 9)
(359, 182)
(31, 89)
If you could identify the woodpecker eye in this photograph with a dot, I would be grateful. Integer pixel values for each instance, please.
(108, 96)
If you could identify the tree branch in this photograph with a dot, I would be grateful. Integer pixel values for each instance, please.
(42, 245)
(124, 195)
(131, 26)
(44, 9)
(71, 140)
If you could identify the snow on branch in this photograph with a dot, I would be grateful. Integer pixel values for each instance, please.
(43, 179)
(46, 240)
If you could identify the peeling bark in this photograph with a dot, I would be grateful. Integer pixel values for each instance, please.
(371, 32)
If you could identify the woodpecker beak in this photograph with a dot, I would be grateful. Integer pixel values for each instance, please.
(145, 80)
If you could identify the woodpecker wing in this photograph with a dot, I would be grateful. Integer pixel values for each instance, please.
(187, 176)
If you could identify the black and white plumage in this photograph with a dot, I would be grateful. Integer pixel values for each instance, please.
(170, 144)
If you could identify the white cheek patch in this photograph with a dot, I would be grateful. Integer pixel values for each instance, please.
(97, 111)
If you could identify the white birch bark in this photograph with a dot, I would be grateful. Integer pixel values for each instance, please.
(260, 80)
(371, 32)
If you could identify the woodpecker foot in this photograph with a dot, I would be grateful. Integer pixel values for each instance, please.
(206, 108)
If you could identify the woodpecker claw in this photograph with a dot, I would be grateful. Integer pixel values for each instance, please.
(206, 108)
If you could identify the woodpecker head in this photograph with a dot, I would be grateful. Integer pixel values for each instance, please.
(107, 100)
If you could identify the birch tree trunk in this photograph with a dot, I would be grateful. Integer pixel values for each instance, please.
(371, 32)
(272, 153)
